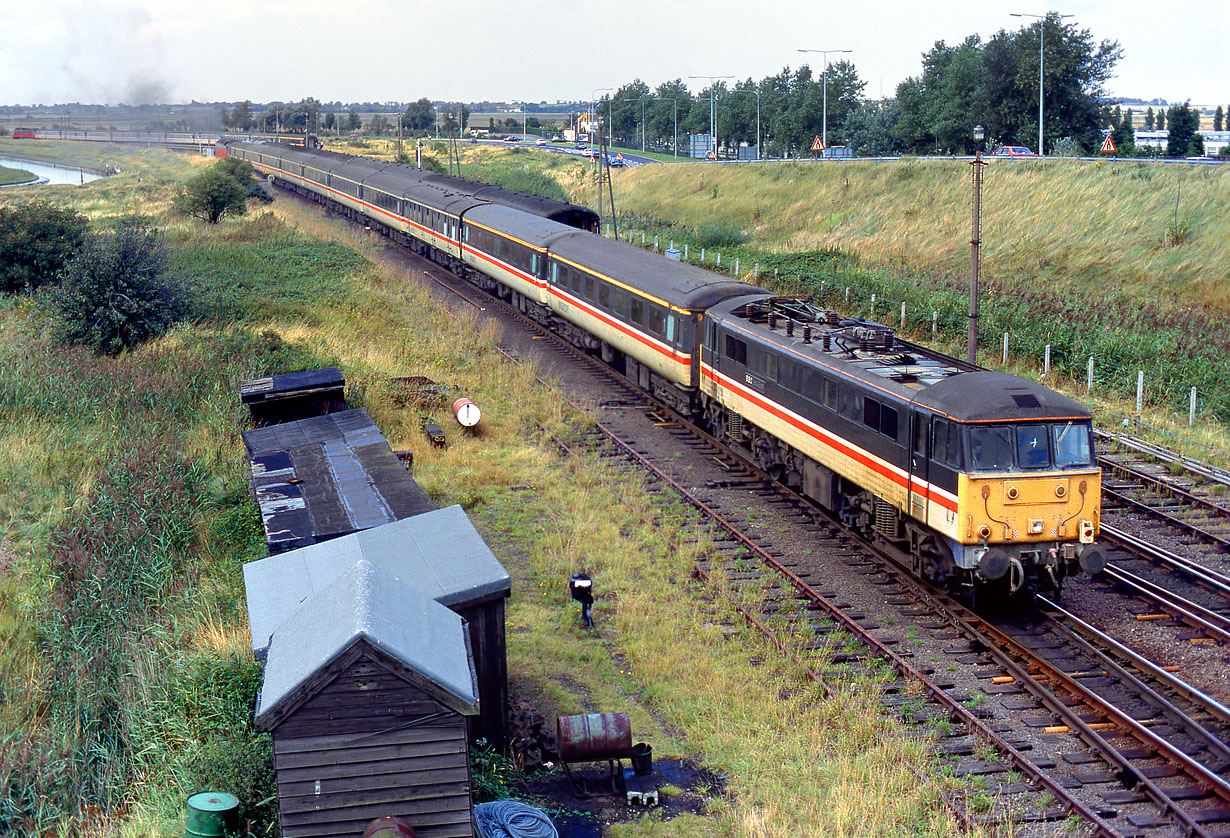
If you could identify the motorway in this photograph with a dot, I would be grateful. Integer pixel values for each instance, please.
(630, 159)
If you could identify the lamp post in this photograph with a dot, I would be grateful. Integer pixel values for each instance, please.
(824, 124)
(712, 111)
(971, 343)
(1041, 61)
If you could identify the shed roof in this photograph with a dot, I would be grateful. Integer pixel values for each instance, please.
(368, 604)
(327, 476)
(438, 553)
(283, 384)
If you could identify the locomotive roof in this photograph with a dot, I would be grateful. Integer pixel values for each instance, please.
(985, 396)
(677, 283)
(869, 352)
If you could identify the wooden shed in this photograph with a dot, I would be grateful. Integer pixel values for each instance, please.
(366, 693)
(289, 396)
(440, 554)
(328, 476)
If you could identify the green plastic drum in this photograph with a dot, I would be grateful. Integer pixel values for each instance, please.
(211, 814)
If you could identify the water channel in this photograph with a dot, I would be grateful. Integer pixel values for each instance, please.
(53, 173)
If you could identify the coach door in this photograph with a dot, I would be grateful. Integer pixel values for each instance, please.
(919, 424)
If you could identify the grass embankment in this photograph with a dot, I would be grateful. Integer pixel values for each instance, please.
(9, 176)
(127, 680)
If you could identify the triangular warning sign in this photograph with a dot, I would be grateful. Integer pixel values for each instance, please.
(619, 155)
(1109, 145)
(711, 156)
(818, 145)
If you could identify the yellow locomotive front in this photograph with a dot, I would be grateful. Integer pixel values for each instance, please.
(1029, 502)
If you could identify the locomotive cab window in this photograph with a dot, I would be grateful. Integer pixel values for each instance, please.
(945, 443)
(1033, 445)
(990, 448)
(1072, 444)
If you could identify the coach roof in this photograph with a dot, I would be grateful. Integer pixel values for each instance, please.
(677, 283)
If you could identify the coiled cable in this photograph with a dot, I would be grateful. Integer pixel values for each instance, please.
(512, 819)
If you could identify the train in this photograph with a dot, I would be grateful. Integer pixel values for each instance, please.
(985, 481)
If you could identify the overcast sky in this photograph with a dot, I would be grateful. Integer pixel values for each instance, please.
(140, 51)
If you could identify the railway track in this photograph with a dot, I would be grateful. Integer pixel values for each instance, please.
(1051, 726)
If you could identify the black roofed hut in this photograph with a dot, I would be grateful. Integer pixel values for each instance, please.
(440, 554)
(366, 693)
(328, 476)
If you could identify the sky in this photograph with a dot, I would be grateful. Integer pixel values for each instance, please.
(170, 51)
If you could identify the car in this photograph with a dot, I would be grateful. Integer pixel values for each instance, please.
(590, 153)
(1012, 151)
(540, 141)
(511, 139)
(583, 146)
(617, 162)
(558, 138)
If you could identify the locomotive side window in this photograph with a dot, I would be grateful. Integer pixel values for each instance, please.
(880, 417)
(920, 434)
(736, 350)
(945, 443)
(770, 366)
(829, 393)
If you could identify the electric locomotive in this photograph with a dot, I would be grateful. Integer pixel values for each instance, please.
(981, 477)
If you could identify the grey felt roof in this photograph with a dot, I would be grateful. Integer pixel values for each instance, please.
(368, 603)
(438, 553)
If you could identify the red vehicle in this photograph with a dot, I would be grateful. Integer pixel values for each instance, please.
(1013, 151)
(23, 134)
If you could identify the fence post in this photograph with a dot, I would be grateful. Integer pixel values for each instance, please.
(736, 267)
(702, 256)
(756, 271)
(1046, 361)
(847, 298)
(935, 323)
(655, 244)
(872, 316)
(1191, 409)
(642, 238)
(823, 282)
(719, 260)
(775, 273)
(902, 317)
(1140, 390)
(1089, 384)
(685, 253)
(1005, 349)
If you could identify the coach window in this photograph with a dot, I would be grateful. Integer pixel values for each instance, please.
(656, 320)
(670, 327)
(736, 350)
(589, 286)
(638, 311)
(604, 295)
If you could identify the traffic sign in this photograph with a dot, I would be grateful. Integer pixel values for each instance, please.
(1108, 146)
(818, 145)
(619, 155)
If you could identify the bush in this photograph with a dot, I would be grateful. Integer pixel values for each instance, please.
(222, 189)
(720, 234)
(114, 295)
(36, 239)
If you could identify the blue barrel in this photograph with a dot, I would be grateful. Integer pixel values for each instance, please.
(211, 814)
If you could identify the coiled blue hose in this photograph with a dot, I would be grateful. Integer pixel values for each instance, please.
(512, 819)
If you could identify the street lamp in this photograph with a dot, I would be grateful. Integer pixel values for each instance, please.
(824, 125)
(1041, 59)
(712, 111)
(971, 343)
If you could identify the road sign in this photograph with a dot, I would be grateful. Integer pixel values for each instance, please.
(1108, 146)
(818, 145)
(619, 155)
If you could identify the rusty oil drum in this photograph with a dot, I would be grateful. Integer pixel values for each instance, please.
(389, 826)
(593, 737)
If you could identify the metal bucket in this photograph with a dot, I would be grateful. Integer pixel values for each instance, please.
(389, 826)
(642, 759)
(211, 814)
(594, 736)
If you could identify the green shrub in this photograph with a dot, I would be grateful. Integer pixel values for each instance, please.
(114, 294)
(36, 240)
(720, 234)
